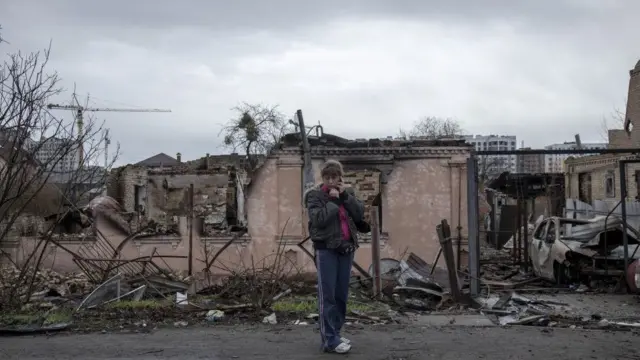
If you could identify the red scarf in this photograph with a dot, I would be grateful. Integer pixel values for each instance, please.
(344, 218)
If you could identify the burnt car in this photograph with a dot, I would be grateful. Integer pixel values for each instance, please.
(570, 251)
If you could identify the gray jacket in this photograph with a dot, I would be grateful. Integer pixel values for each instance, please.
(324, 217)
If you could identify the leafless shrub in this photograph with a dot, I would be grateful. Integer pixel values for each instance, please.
(41, 171)
(258, 284)
(613, 121)
(255, 130)
(431, 127)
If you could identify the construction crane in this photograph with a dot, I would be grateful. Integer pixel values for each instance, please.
(80, 121)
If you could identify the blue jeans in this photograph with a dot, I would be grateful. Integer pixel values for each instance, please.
(334, 275)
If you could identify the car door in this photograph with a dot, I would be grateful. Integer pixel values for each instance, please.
(545, 252)
(536, 245)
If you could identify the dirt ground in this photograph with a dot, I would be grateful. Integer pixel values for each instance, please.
(301, 342)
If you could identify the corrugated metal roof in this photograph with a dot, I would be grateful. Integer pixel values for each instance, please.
(158, 160)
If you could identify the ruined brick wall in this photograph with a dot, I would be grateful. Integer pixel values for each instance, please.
(599, 167)
(169, 196)
(122, 183)
(163, 194)
(618, 138)
(633, 100)
(366, 184)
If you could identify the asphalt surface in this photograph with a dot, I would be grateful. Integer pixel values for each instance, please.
(301, 343)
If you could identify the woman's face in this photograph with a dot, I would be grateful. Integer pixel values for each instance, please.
(331, 180)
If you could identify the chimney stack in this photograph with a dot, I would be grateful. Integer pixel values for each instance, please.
(206, 161)
(179, 157)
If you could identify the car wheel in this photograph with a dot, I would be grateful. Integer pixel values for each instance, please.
(561, 274)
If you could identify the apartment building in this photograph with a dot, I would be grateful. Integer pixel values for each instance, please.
(494, 164)
(554, 163)
(56, 149)
(530, 163)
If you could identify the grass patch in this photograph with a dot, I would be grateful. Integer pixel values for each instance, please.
(311, 306)
(57, 317)
(54, 317)
(138, 305)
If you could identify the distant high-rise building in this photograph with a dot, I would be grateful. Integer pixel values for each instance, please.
(554, 163)
(529, 163)
(60, 155)
(494, 164)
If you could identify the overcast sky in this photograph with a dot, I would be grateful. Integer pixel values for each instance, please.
(541, 70)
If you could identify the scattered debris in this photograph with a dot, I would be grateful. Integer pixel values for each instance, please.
(214, 315)
(181, 299)
(512, 308)
(47, 283)
(32, 329)
(271, 319)
(408, 283)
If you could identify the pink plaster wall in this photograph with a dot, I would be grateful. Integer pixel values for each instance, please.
(419, 193)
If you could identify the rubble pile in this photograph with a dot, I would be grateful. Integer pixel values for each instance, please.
(514, 309)
(152, 227)
(46, 281)
(511, 308)
(409, 285)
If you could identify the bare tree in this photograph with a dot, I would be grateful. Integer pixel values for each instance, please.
(40, 171)
(433, 128)
(491, 166)
(614, 121)
(255, 131)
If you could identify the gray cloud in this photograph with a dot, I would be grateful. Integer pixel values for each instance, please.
(542, 70)
(283, 14)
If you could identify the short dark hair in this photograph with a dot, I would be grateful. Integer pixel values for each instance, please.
(331, 168)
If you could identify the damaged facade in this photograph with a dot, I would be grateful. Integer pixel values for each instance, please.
(597, 177)
(414, 184)
(162, 196)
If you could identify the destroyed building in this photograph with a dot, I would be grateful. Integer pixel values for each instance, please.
(148, 211)
(597, 177)
(162, 196)
(414, 184)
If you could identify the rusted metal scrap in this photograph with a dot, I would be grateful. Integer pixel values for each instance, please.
(409, 284)
(568, 251)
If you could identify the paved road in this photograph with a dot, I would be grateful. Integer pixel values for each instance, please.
(300, 343)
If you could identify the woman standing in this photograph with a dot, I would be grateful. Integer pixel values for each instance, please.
(333, 212)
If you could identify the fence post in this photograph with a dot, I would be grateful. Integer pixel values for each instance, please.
(191, 205)
(446, 244)
(623, 210)
(307, 168)
(473, 223)
(375, 252)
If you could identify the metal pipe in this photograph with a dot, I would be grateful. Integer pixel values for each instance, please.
(525, 245)
(191, 201)
(623, 210)
(375, 253)
(473, 223)
(551, 152)
(459, 228)
(516, 239)
(307, 170)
